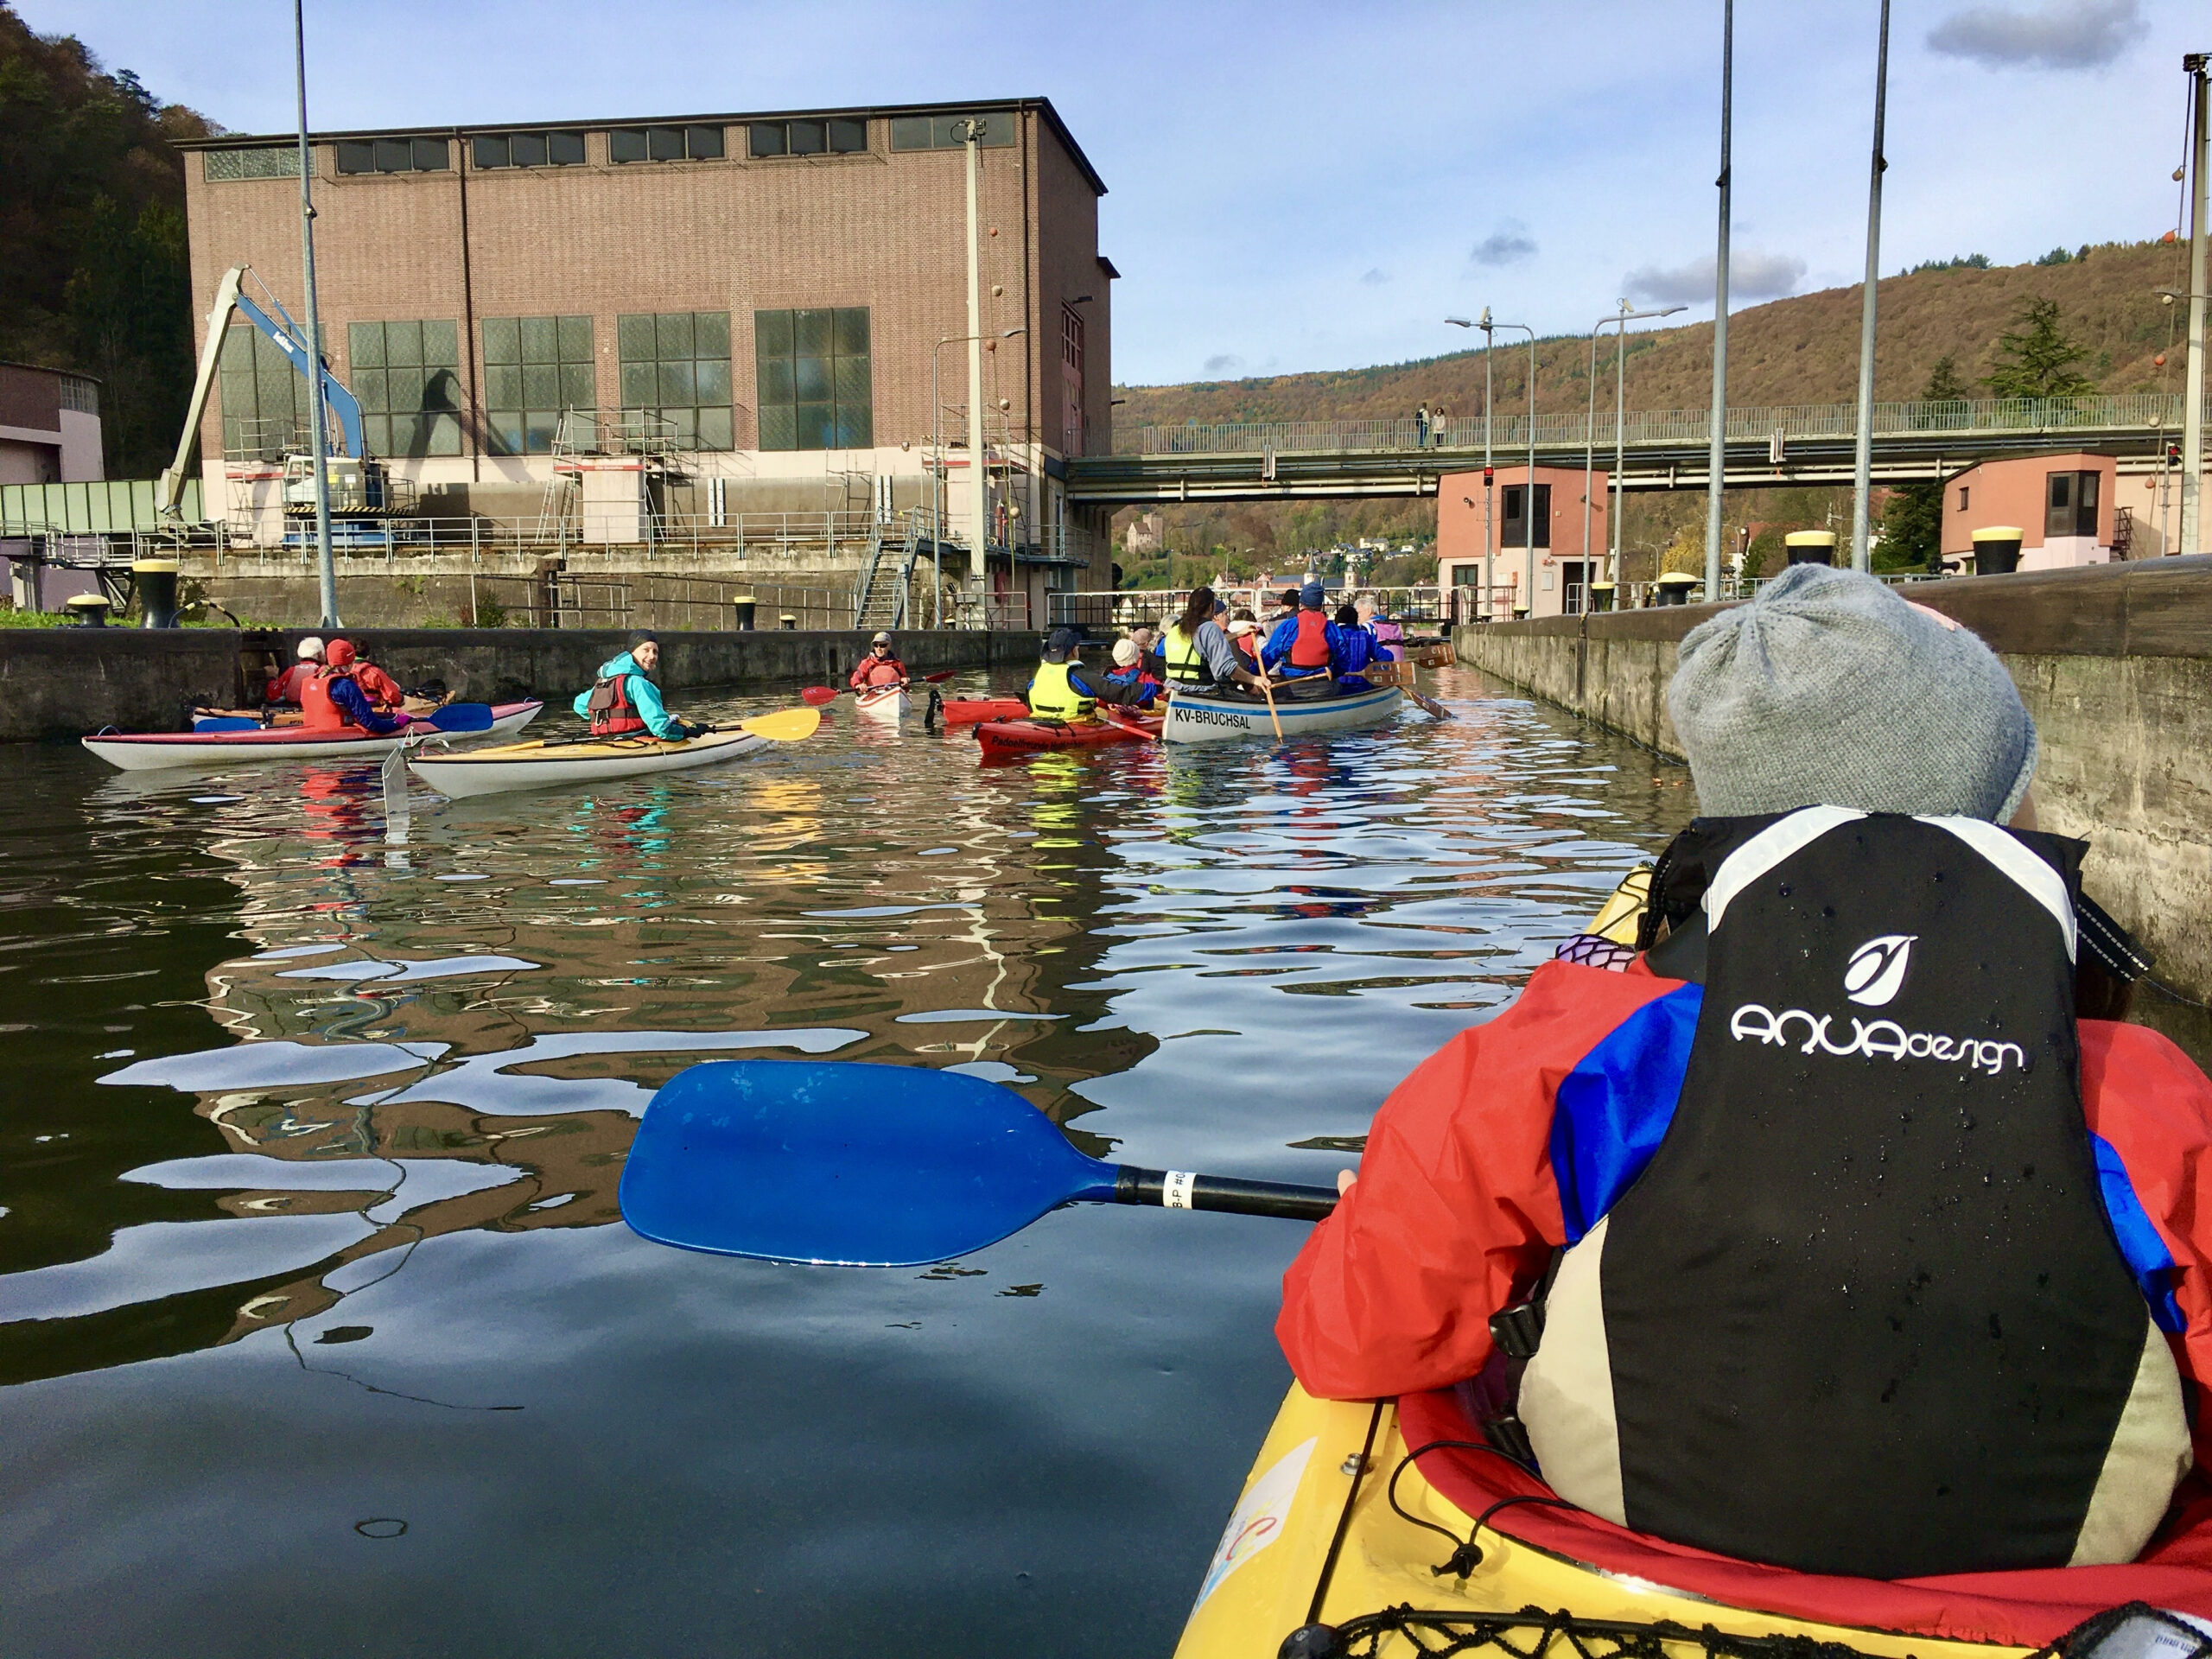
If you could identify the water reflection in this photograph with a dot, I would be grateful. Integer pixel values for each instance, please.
(334, 1131)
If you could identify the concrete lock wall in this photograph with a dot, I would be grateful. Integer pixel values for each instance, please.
(2114, 662)
(65, 682)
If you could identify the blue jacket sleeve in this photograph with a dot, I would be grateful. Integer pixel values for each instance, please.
(1279, 642)
(354, 703)
(645, 698)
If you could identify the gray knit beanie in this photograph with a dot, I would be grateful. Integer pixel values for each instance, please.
(1829, 690)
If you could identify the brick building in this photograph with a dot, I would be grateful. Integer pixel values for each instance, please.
(49, 426)
(766, 292)
(1562, 576)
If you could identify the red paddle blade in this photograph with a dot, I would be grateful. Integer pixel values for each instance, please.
(817, 695)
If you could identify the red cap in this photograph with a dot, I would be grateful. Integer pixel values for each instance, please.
(339, 652)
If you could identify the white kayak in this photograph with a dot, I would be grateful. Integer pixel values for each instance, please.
(1213, 715)
(175, 751)
(545, 765)
(889, 704)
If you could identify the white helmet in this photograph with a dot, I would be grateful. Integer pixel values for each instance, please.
(311, 650)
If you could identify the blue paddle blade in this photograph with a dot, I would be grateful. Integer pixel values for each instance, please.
(860, 1165)
(463, 717)
(226, 724)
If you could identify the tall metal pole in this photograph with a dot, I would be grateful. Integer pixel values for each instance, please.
(2192, 416)
(978, 468)
(1490, 535)
(1862, 463)
(1620, 453)
(1528, 502)
(1590, 443)
(1717, 451)
(325, 570)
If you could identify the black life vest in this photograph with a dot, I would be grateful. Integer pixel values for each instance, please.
(1865, 1310)
(1309, 647)
(611, 712)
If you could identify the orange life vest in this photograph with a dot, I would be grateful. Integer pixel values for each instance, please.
(1310, 648)
(878, 670)
(318, 712)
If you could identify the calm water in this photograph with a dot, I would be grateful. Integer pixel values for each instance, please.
(322, 1334)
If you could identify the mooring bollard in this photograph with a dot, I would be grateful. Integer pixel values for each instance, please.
(742, 610)
(1810, 546)
(90, 610)
(1996, 549)
(155, 582)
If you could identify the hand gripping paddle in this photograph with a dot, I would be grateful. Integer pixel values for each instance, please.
(880, 1166)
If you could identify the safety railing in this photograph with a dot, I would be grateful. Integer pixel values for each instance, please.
(1131, 608)
(1508, 431)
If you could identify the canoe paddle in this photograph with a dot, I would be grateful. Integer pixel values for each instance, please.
(818, 695)
(226, 724)
(879, 1166)
(1115, 717)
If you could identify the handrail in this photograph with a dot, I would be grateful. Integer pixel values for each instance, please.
(2149, 411)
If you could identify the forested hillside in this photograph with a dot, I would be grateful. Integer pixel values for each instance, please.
(93, 270)
(1804, 350)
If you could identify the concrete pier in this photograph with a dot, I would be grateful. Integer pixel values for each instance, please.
(2114, 662)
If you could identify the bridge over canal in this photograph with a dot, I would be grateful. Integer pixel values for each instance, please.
(1664, 451)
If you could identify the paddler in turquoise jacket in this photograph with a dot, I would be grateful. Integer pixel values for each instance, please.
(624, 703)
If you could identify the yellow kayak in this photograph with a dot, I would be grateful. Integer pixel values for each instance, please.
(1342, 1546)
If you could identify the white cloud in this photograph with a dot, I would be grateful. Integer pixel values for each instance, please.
(2057, 34)
(1508, 244)
(1751, 276)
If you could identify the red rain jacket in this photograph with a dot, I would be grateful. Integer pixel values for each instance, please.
(1457, 1203)
(878, 670)
(379, 687)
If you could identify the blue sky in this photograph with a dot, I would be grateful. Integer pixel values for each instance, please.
(1305, 187)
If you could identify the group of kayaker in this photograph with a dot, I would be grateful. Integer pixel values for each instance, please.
(334, 687)
(1843, 1226)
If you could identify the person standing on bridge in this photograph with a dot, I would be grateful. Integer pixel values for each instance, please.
(1420, 427)
(1842, 1226)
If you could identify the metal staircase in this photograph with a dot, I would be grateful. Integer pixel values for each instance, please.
(886, 575)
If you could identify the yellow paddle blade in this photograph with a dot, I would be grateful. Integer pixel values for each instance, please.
(785, 726)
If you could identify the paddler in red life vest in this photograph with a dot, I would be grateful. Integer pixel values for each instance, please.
(1840, 1225)
(1305, 642)
(378, 687)
(622, 703)
(284, 692)
(331, 700)
(879, 668)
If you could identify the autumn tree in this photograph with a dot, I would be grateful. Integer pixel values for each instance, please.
(2037, 357)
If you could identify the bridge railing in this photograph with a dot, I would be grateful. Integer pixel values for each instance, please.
(1508, 432)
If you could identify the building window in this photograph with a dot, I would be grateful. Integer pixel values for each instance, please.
(393, 155)
(535, 369)
(1965, 492)
(218, 165)
(676, 365)
(1072, 413)
(2070, 504)
(81, 394)
(264, 397)
(940, 131)
(814, 390)
(492, 150)
(408, 377)
(1512, 532)
(664, 144)
(842, 136)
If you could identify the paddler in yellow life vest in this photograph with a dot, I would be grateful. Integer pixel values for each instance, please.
(1197, 650)
(1059, 691)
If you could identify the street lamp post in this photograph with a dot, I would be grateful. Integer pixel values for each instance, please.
(2192, 420)
(1862, 463)
(318, 421)
(1486, 325)
(1529, 498)
(936, 471)
(1619, 320)
(1717, 439)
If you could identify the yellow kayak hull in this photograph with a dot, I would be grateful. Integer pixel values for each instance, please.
(1260, 1585)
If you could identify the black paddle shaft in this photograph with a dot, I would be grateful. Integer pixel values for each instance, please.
(1173, 1189)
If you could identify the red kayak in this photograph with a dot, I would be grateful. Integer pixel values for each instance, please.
(966, 711)
(1000, 738)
